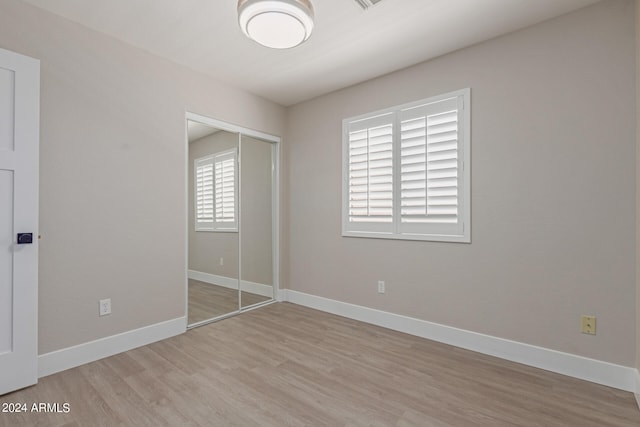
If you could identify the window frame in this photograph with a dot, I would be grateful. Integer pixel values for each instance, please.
(214, 225)
(438, 232)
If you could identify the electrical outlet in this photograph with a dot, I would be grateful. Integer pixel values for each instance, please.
(105, 307)
(221, 261)
(380, 286)
(589, 325)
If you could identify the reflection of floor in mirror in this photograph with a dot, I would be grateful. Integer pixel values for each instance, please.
(207, 300)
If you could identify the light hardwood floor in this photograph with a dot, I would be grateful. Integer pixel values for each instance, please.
(285, 365)
(207, 301)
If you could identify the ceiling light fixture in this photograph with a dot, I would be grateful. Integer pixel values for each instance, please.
(279, 24)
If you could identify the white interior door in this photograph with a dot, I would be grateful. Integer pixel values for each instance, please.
(19, 140)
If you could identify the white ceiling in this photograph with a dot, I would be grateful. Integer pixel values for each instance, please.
(348, 45)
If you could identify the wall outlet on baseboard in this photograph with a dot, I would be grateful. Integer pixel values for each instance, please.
(105, 307)
(221, 261)
(381, 286)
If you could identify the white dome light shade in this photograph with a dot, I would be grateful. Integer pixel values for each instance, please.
(278, 24)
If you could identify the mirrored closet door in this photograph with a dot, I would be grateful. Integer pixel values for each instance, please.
(232, 224)
(256, 217)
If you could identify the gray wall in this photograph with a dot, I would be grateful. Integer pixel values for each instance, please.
(113, 168)
(553, 190)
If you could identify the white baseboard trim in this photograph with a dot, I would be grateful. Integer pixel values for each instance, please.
(584, 368)
(213, 279)
(231, 283)
(637, 391)
(67, 358)
(256, 288)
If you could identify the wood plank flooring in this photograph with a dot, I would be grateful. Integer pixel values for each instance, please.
(207, 301)
(286, 365)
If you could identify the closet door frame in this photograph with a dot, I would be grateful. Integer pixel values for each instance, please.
(268, 138)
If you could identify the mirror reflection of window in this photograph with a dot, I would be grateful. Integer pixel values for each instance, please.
(215, 193)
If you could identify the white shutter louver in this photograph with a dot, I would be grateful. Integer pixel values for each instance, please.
(370, 173)
(225, 189)
(442, 167)
(413, 176)
(430, 168)
(216, 192)
(204, 193)
(429, 164)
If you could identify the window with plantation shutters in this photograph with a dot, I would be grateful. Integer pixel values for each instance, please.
(406, 171)
(216, 192)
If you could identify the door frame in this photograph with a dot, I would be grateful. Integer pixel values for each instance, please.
(275, 141)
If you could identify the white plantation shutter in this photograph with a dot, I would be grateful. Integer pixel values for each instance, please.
(216, 192)
(370, 174)
(430, 167)
(204, 193)
(225, 190)
(406, 171)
